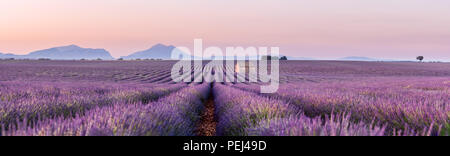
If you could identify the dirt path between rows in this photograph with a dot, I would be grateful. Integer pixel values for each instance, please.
(208, 123)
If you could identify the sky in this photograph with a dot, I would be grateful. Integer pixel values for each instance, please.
(323, 29)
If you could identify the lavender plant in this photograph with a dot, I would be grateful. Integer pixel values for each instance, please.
(243, 113)
(175, 114)
(399, 103)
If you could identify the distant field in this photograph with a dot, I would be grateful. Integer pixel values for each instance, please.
(139, 98)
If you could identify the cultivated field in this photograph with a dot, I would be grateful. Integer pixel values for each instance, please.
(139, 98)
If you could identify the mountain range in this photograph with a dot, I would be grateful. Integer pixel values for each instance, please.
(359, 58)
(158, 51)
(71, 52)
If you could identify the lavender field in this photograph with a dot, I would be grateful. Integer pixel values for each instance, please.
(139, 98)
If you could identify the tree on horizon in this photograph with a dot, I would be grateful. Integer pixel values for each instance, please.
(420, 58)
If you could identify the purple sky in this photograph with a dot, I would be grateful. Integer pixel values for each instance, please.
(327, 29)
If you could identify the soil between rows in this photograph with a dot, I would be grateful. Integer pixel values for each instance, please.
(208, 122)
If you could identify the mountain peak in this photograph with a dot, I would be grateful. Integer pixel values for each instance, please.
(73, 45)
(69, 47)
(159, 45)
(158, 51)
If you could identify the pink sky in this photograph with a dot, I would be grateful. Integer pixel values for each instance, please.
(397, 29)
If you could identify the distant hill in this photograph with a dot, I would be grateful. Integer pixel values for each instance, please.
(299, 58)
(3, 56)
(158, 51)
(71, 52)
(358, 58)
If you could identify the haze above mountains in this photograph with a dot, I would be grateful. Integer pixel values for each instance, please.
(159, 51)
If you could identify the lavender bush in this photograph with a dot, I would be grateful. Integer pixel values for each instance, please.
(44, 100)
(169, 116)
(300, 125)
(399, 103)
(135, 98)
(243, 113)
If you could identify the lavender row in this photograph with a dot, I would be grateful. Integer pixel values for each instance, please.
(19, 100)
(243, 113)
(173, 115)
(76, 71)
(399, 103)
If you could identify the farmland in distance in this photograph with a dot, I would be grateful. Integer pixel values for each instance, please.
(139, 98)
